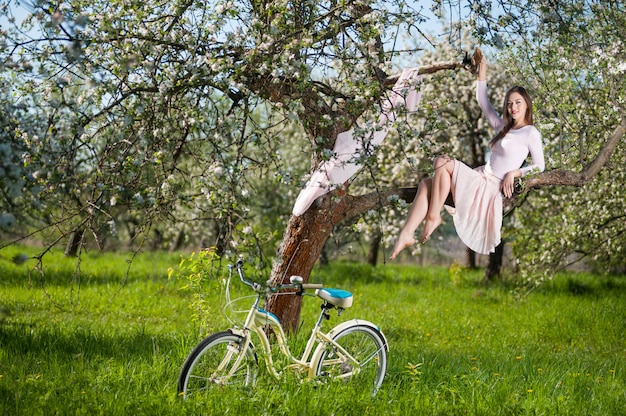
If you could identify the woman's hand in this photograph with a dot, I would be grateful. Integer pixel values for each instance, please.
(508, 183)
(478, 60)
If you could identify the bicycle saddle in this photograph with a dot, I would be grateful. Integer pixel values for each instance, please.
(337, 297)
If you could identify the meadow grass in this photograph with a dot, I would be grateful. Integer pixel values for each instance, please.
(112, 343)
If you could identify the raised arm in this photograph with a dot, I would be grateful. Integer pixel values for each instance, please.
(481, 93)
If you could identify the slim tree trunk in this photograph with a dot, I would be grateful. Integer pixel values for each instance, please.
(372, 256)
(495, 263)
(470, 256)
(74, 242)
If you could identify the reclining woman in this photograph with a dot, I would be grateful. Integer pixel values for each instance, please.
(477, 193)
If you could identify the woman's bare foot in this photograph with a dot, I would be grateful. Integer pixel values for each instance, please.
(429, 227)
(404, 240)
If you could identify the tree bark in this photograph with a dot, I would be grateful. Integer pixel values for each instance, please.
(302, 245)
(470, 256)
(306, 236)
(495, 263)
(372, 255)
(74, 242)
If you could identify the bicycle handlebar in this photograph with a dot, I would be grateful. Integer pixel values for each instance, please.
(257, 287)
(312, 286)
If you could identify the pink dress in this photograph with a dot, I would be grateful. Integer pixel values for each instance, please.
(477, 210)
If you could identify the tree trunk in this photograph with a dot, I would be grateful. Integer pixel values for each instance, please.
(324, 261)
(74, 242)
(372, 256)
(177, 242)
(306, 236)
(495, 263)
(302, 245)
(470, 256)
(157, 241)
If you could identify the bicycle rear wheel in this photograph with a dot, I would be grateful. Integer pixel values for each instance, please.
(212, 361)
(366, 346)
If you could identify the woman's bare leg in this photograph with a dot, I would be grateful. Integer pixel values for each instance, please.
(442, 182)
(416, 214)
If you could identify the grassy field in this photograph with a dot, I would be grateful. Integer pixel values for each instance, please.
(112, 344)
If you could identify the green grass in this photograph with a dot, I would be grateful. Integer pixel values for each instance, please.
(112, 344)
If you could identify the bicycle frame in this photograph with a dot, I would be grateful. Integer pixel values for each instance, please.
(350, 348)
(256, 321)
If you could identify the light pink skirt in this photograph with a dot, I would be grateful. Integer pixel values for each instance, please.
(477, 210)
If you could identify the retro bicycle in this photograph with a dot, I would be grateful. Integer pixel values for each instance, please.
(353, 350)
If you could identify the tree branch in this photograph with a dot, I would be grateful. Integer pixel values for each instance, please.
(431, 69)
(349, 206)
(569, 178)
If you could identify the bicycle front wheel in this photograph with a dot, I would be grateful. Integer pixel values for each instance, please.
(213, 362)
(363, 359)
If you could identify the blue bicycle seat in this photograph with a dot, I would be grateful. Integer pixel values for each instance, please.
(337, 297)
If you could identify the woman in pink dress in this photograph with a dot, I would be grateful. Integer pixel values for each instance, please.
(477, 193)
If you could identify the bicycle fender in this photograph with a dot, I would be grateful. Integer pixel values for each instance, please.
(235, 331)
(361, 322)
(239, 332)
(331, 334)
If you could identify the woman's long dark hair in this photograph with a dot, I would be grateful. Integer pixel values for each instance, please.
(506, 117)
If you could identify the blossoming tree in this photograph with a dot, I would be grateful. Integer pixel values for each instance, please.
(154, 112)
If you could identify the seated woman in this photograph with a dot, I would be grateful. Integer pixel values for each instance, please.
(477, 193)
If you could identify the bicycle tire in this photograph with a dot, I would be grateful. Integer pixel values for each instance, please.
(366, 345)
(201, 369)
